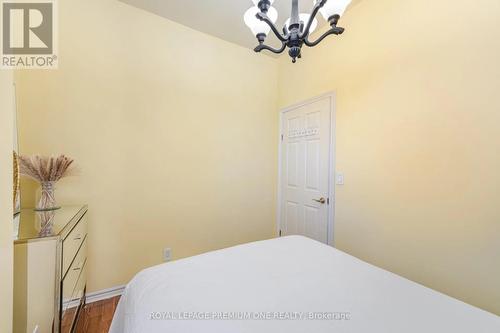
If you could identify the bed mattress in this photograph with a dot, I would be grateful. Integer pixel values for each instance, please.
(290, 284)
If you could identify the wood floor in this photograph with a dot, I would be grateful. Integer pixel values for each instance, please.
(96, 317)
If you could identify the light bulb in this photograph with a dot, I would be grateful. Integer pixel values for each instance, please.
(333, 7)
(304, 18)
(257, 26)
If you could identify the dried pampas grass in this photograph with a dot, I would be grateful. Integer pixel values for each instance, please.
(45, 169)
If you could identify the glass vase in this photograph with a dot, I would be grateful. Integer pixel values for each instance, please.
(45, 197)
(45, 221)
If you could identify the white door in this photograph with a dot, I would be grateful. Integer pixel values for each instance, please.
(306, 155)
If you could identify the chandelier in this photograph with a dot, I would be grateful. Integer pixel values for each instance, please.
(262, 17)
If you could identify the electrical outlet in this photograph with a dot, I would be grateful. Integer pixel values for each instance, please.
(167, 254)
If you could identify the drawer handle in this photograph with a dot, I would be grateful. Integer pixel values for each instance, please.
(77, 237)
(80, 265)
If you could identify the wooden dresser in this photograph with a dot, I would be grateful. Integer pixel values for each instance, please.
(50, 269)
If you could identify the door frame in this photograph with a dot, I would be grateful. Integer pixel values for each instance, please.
(331, 174)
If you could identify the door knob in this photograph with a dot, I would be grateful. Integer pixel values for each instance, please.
(320, 200)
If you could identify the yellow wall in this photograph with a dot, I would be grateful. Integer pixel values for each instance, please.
(174, 133)
(418, 114)
(6, 229)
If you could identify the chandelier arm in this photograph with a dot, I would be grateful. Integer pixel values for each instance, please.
(314, 12)
(263, 17)
(332, 31)
(262, 47)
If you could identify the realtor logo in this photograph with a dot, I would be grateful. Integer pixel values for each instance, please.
(28, 34)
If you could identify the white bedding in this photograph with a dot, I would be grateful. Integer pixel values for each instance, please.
(287, 278)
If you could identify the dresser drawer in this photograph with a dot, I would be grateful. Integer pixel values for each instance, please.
(70, 281)
(70, 308)
(72, 243)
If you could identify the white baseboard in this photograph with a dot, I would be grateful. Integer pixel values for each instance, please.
(104, 294)
(71, 304)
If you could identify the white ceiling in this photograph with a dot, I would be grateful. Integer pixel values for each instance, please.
(220, 18)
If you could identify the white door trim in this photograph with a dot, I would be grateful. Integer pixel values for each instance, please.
(331, 173)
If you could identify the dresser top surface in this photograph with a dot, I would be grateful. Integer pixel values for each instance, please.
(32, 225)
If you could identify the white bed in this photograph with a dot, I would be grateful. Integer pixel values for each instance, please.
(250, 284)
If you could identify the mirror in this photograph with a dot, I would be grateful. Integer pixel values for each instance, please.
(16, 190)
